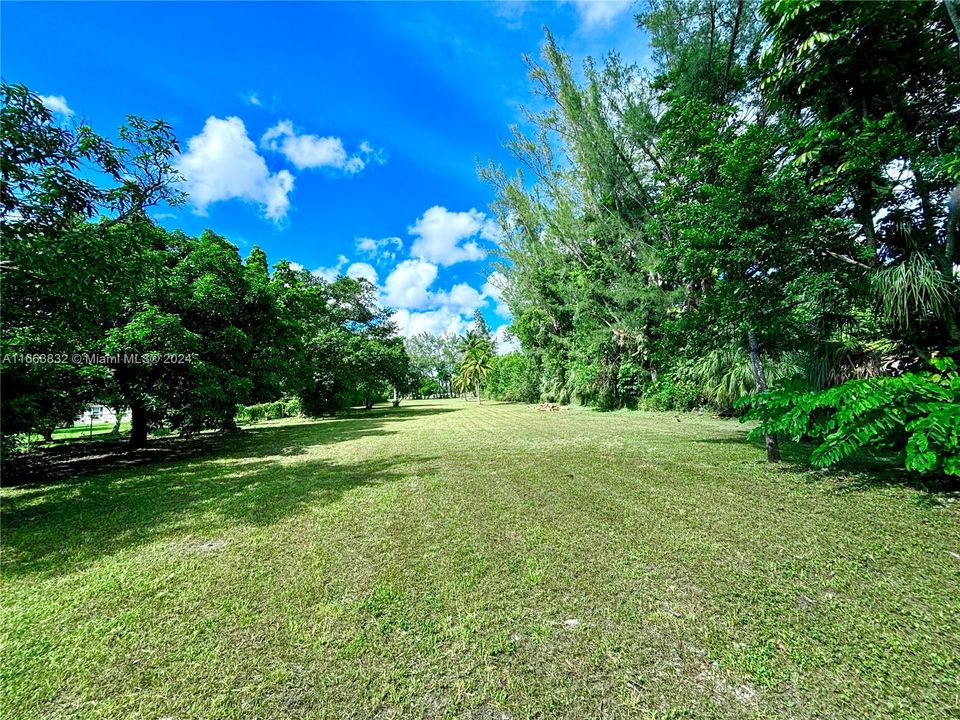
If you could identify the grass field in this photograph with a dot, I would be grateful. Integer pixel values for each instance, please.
(80, 433)
(448, 560)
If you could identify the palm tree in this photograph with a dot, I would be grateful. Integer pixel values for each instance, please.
(460, 384)
(475, 367)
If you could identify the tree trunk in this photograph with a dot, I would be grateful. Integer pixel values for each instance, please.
(476, 385)
(138, 431)
(230, 426)
(950, 256)
(773, 449)
(366, 399)
(864, 212)
(731, 52)
(117, 419)
(953, 10)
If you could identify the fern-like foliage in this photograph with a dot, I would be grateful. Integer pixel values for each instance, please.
(724, 376)
(917, 413)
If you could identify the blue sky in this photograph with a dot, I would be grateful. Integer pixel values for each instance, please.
(340, 136)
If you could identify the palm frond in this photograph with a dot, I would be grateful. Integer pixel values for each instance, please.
(912, 289)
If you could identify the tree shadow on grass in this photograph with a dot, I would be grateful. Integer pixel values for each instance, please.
(72, 524)
(76, 459)
(862, 471)
(259, 477)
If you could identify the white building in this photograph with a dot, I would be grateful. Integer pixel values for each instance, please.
(97, 414)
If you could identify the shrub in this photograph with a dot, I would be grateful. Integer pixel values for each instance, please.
(916, 414)
(669, 393)
(292, 407)
(283, 408)
(631, 381)
(513, 378)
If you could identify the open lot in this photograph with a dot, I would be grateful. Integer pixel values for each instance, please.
(448, 560)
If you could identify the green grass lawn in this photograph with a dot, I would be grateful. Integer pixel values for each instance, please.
(80, 432)
(448, 560)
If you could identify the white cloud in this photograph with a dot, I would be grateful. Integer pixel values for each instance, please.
(462, 299)
(440, 235)
(56, 104)
(493, 289)
(506, 343)
(600, 13)
(407, 286)
(491, 231)
(304, 151)
(331, 273)
(222, 163)
(383, 250)
(312, 151)
(362, 270)
(254, 99)
(442, 321)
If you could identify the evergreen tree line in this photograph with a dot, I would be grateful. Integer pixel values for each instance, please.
(767, 207)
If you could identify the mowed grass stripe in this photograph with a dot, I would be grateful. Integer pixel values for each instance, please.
(450, 560)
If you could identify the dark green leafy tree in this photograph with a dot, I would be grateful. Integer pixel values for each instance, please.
(347, 347)
(513, 378)
(881, 126)
(60, 273)
(45, 168)
(201, 318)
(916, 414)
(433, 362)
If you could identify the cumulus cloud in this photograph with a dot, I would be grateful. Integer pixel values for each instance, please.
(383, 250)
(461, 299)
(493, 289)
(222, 163)
(446, 237)
(312, 151)
(332, 273)
(362, 270)
(56, 104)
(441, 237)
(600, 13)
(407, 287)
(254, 99)
(442, 321)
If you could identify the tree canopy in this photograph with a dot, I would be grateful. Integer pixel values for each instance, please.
(101, 304)
(767, 206)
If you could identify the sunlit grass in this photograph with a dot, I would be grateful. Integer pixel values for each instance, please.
(449, 560)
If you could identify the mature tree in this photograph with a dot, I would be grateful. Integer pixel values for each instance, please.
(347, 345)
(61, 274)
(200, 319)
(433, 361)
(693, 230)
(881, 126)
(477, 359)
(46, 169)
(475, 367)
